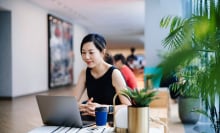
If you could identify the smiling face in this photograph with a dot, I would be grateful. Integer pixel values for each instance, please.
(91, 55)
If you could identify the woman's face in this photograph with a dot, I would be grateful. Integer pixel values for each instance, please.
(91, 55)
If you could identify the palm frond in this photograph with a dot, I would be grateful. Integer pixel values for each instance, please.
(190, 39)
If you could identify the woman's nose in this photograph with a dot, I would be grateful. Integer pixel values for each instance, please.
(87, 56)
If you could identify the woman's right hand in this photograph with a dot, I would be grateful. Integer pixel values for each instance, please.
(88, 108)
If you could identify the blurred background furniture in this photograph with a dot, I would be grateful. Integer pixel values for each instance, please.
(160, 108)
(154, 75)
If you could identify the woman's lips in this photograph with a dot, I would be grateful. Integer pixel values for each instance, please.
(88, 62)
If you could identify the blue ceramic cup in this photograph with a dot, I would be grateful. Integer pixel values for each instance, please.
(101, 115)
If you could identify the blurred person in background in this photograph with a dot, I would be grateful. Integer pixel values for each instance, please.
(108, 58)
(120, 63)
(132, 60)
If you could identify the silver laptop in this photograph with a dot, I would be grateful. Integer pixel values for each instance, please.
(61, 111)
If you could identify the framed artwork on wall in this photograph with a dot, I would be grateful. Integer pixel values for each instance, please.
(60, 52)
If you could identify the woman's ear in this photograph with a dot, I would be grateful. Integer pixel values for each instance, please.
(103, 52)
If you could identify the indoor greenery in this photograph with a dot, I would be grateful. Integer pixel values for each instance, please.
(188, 93)
(198, 37)
(187, 84)
(140, 97)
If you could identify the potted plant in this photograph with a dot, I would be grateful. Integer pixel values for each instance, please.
(198, 37)
(138, 112)
(188, 94)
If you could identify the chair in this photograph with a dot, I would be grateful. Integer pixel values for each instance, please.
(156, 73)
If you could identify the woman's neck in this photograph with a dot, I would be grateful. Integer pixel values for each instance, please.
(100, 69)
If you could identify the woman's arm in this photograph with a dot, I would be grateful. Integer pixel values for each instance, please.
(119, 84)
(80, 86)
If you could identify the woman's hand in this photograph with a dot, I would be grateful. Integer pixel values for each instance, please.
(89, 107)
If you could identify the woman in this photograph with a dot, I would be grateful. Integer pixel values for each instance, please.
(101, 79)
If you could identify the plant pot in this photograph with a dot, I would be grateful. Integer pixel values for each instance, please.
(186, 105)
(138, 119)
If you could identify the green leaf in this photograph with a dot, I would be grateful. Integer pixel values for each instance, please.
(140, 97)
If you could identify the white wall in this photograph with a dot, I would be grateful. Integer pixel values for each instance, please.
(30, 48)
(154, 11)
(79, 33)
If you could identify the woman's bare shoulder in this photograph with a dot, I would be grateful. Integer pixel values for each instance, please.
(83, 71)
(116, 72)
(82, 74)
(117, 77)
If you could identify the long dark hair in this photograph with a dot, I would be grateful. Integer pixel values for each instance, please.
(98, 40)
